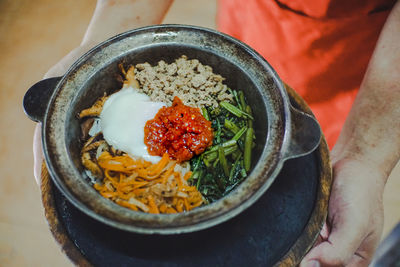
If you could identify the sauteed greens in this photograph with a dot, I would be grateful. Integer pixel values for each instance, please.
(225, 164)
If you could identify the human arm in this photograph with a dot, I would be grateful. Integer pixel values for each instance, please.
(110, 18)
(367, 150)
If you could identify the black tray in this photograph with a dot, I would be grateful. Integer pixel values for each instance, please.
(260, 236)
(277, 230)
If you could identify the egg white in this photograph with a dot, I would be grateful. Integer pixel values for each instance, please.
(122, 121)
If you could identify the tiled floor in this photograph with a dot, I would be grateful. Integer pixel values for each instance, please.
(33, 36)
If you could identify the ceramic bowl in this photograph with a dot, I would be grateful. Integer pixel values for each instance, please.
(282, 132)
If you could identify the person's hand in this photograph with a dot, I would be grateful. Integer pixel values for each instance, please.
(364, 155)
(355, 217)
(57, 70)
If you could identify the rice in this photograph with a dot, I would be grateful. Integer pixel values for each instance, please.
(194, 83)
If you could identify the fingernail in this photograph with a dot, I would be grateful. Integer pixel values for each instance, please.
(313, 263)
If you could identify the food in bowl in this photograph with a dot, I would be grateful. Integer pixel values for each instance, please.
(172, 139)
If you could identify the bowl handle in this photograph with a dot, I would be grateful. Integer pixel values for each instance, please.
(37, 98)
(305, 134)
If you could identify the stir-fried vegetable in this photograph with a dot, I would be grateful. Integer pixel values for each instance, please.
(225, 164)
(143, 186)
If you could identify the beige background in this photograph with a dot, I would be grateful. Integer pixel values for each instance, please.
(34, 35)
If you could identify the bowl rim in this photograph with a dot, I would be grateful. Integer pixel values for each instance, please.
(217, 218)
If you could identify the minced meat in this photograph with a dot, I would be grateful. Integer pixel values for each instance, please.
(194, 83)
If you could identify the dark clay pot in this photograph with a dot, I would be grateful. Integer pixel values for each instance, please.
(282, 132)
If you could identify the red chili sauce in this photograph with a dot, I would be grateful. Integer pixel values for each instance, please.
(179, 130)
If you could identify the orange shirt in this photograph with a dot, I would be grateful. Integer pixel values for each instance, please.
(320, 48)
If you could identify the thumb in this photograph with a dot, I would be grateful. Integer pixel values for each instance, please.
(37, 153)
(337, 250)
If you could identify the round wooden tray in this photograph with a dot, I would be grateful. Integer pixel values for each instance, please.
(68, 236)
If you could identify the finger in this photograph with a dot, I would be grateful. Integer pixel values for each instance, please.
(338, 249)
(37, 153)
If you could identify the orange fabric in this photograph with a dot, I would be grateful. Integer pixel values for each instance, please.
(320, 48)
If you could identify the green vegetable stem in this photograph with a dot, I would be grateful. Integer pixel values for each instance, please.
(248, 143)
(224, 165)
(222, 160)
(234, 110)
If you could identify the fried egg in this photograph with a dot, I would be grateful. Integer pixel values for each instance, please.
(122, 121)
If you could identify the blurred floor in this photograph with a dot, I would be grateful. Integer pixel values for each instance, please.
(34, 35)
